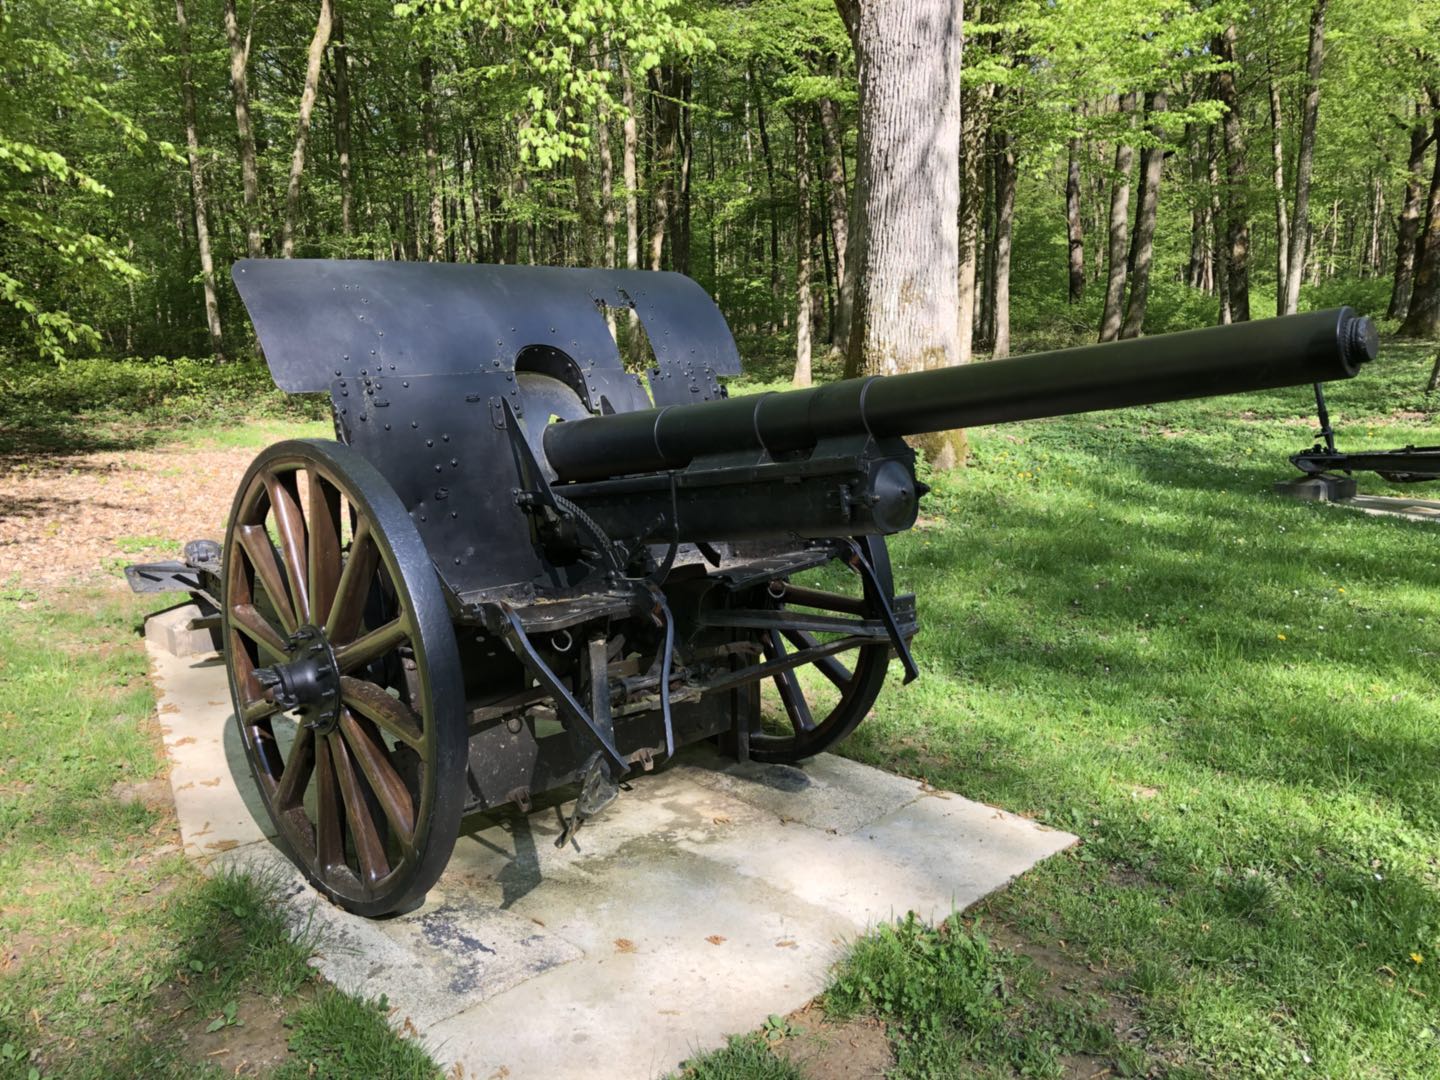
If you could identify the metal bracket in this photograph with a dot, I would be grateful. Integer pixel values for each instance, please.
(887, 616)
(524, 648)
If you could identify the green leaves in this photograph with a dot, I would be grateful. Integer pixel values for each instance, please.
(558, 82)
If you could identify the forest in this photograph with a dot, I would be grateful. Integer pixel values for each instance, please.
(1126, 166)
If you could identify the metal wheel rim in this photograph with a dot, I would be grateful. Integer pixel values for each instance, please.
(369, 824)
(862, 682)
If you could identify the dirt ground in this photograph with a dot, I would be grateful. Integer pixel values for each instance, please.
(81, 518)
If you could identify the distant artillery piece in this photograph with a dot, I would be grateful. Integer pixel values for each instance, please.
(1321, 463)
(514, 569)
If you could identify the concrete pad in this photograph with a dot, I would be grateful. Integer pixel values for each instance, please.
(175, 632)
(209, 776)
(710, 896)
(1395, 506)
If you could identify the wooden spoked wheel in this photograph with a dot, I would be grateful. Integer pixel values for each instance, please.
(344, 674)
(806, 710)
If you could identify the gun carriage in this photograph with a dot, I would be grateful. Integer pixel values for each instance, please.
(517, 568)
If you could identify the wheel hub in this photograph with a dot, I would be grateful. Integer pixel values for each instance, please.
(308, 684)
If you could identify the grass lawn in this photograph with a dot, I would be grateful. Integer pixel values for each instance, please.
(1227, 695)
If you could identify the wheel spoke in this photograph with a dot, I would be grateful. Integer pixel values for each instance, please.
(369, 848)
(329, 847)
(249, 686)
(258, 710)
(290, 525)
(792, 695)
(829, 666)
(324, 533)
(298, 770)
(256, 543)
(373, 703)
(343, 622)
(247, 619)
(372, 646)
(385, 782)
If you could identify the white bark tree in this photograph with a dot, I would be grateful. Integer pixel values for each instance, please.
(907, 193)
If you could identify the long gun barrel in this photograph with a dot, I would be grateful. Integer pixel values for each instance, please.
(1297, 349)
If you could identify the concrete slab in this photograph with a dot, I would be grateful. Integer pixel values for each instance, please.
(709, 897)
(1395, 506)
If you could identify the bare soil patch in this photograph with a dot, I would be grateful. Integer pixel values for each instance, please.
(81, 518)
(858, 1049)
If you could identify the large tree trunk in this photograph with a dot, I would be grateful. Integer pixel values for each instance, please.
(803, 312)
(197, 187)
(1237, 215)
(430, 140)
(1143, 248)
(239, 89)
(302, 126)
(1408, 229)
(1074, 227)
(904, 317)
(1119, 238)
(1004, 218)
(1423, 318)
(830, 137)
(1305, 160)
(1282, 221)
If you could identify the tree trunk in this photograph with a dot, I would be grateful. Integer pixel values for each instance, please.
(1408, 229)
(662, 167)
(1305, 160)
(197, 187)
(803, 313)
(1004, 218)
(630, 141)
(607, 193)
(972, 203)
(1282, 222)
(340, 57)
(302, 126)
(432, 159)
(680, 242)
(1144, 246)
(1196, 275)
(239, 89)
(1219, 252)
(1423, 318)
(830, 137)
(1119, 240)
(1074, 228)
(770, 191)
(909, 183)
(1237, 216)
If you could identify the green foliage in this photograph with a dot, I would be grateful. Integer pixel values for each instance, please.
(72, 400)
(47, 201)
(562, 91)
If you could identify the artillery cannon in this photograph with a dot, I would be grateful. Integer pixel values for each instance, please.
(516, 570)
